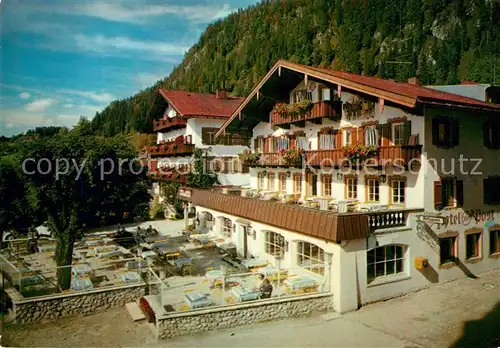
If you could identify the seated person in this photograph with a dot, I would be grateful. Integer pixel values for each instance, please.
(265, 288)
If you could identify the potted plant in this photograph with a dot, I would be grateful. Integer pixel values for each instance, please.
(292, 156)
(359, 152)
(293, 110)
(248, 157)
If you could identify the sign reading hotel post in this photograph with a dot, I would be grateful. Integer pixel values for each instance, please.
(185, 193)
(431, 219)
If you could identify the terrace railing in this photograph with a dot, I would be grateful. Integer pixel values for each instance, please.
(318, 110)
(168, 123)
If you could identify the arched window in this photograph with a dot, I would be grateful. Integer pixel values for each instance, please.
(227, 227)
(311, 257)
(274, 243)
(385, 261)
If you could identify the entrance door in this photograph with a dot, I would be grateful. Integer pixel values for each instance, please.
(312, 185)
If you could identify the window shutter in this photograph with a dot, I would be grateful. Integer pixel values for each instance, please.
(386, 134)
(435, 131)
(256, 145)
(460, 192)
(454, 132)
(487, 191)
(379, 134)
(354, 136)
(338, 140)
(438, 194)
(406, 132)
(361, 135)
(204, 136)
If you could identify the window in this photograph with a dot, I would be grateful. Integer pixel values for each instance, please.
(398, 137)
(270, 181)
(491, 134)
(447, 249)
(491, 190)
(258, 145)
(301, 143)
(282, 179)
(351, 188)
(302, 94)
(494, 242)
(325, 93)
(228, 164)
(274, 243)
(398, 191)
(297, 183)
(261, 181)
(385, 261)
(445, 132)
(326, 141)
(208, 135)
(448, 192)
(326, 185)
(371, 136)
(373, 190)
(347, 137)
(472, 245)
(311, 257)
(227, 227)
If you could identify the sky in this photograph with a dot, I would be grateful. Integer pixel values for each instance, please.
(64, 59)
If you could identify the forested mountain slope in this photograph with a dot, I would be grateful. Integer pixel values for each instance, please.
(443, 41)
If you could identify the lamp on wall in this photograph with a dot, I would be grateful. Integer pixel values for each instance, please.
(286, 245)
(288, 174)
(340, 176)
(383, 178)
(264, 172)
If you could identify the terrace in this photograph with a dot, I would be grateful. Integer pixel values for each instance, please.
(315, 113)
(169, 124)
(171, 173)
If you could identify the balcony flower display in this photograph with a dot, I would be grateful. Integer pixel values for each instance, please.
(359, 152)
(248, 157)
(291, 156)
(292, 110)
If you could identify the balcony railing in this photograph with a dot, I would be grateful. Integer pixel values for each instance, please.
(274, 159)
(388, 155)
(317, 111)
(181, 178)
(168, 123)
(181, 146)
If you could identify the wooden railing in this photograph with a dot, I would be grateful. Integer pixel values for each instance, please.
(181, 178)
(318, 110)
(388, 155)
(165, 123)
(180, 146)
(275, 159)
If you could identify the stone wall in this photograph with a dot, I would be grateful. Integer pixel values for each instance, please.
(51, 308)
(241, 314)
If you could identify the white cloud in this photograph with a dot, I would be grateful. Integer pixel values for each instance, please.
(24, 95)
(39, 104)
(102, 44)
(98, 97)
(138, 12)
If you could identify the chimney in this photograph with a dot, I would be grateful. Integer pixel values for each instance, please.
(414, 81)
(221, 94)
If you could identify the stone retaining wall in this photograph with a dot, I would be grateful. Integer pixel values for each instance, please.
(54, 307)
(241, 314)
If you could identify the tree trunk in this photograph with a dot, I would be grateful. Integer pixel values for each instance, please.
(64, 257)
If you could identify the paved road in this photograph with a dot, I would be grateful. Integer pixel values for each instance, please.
(464, 313)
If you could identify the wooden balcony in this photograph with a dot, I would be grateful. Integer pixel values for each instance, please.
(168, 124)
(318, 110)
(388, 155)
(273, 159)
(169, 176)
(181, 146)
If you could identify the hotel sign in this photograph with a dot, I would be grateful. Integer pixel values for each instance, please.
(185, 193)
(432, 219)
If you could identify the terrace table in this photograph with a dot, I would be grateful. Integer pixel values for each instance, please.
(271, 272)
(254, 263)
(179, 263)
(81, 284)
(243, 294)
(81, 270)
(197, 300)
(130, 277)
(200, 238)
(300, 283)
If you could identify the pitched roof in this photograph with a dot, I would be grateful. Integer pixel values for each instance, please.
(200, 104)
(401, 93)
(324, 225)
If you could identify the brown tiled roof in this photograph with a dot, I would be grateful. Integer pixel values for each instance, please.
(324, 225)
(200, 104)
